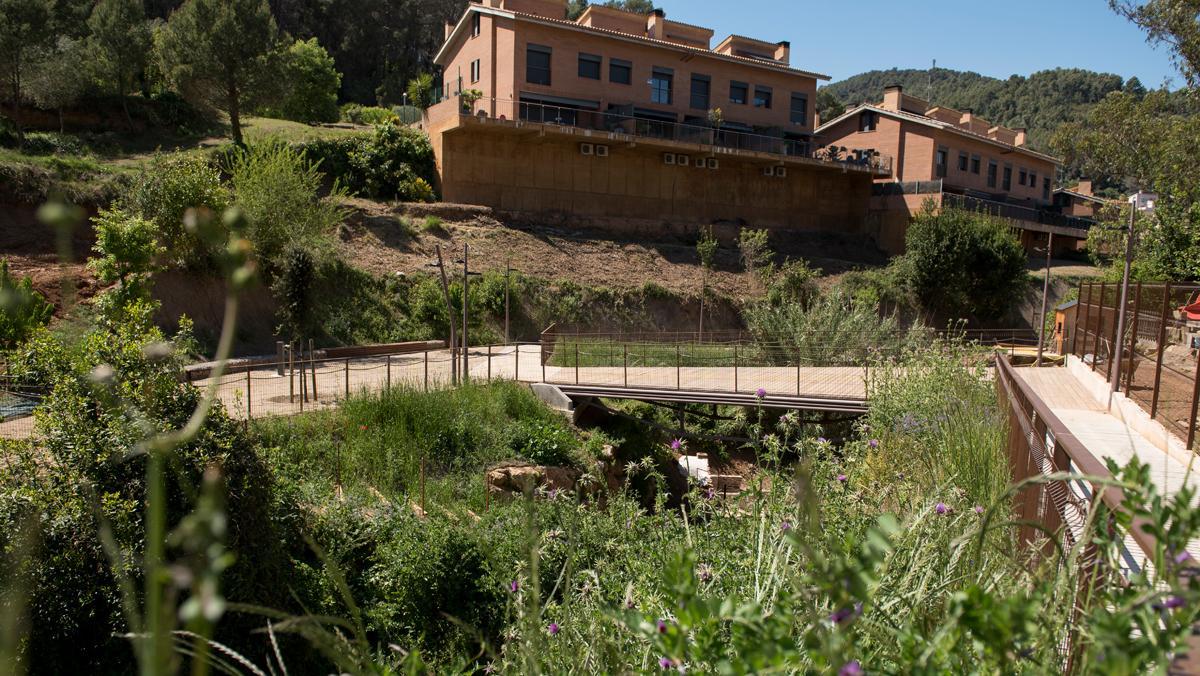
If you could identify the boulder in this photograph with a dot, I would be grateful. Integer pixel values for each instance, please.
(514, 480)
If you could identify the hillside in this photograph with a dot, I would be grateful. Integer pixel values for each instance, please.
(1040, 102)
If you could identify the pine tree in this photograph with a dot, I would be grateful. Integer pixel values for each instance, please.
(121, 37)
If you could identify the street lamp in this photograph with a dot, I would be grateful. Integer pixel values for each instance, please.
(1144, 202)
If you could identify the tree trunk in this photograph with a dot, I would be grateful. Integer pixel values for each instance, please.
(235, 117)
(124, 98)
(15, 79)
(62, 127)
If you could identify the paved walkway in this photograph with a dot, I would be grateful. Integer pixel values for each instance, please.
(1080, 406)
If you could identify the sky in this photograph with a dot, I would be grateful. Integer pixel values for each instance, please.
(841, 38)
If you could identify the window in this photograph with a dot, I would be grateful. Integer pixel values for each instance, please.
(799, 113)
(762, 97)
(1032, 180)
(962, 161)
(1046, 188)
(476, 24)
(620, 72)
(537, 64)
(1021, 177)
(1007, 185)
(991, 179)
(975, 164)
(475, 68)
(739, 93)
(701, 86)
(941, 158)
(660, 86)
(589, 66)
(868, 120)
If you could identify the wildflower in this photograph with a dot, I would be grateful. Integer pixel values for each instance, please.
(1182, 558)
(760, 393)
(822, 440)
(704, 572)
(677, 445)
(708, 493)
(662, 627)
(629, 604)
(843, 615)
(665, 663)
(514, 586)
(851, 668)
(785, 526)
(1173, 602)
(842, 478)
(874, 443)
(941, 508)
(979, 509)
(554, 629)
(362, 428)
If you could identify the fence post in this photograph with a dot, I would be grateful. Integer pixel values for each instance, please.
(312, 355)
(1137, 309)
(302, 392)
(279, 358)
(1162, 338)
(249, 407)
(426, 370)
(1075, 332)
(489, 362)
(389, 372)
(1195, 405)
(735, 368)
(678, 368)
(625, 363)
(347, 378)
(577, 362)
(1099, 325)
(291, 373)
(517, 362)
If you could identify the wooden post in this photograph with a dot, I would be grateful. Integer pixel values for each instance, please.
(735, 368)
(279, 364)
(389, 371)
(249, 406)
(1099, 326)
(576, 362)
(302, 388)
(517, 362)
(489, 355)
(507, 274)
(1112, 357)
(449, 313)
(426, 370)
(291, 373)
(1078, 308)
(625, 362)
(678, 368)
(1195, 405)
(347, 378)
(1137, 308)
(312, 355)
(1162, 338)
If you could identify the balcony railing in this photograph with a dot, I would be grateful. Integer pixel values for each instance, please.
(1015, 212)
(631, 124)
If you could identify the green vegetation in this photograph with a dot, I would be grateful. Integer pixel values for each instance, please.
(359, 114)
(22, 310)
(312, 83)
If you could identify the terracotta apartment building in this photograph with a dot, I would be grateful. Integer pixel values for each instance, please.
(952, 157)
(613, 118)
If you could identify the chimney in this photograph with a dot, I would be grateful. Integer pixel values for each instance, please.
(783, 52)
(449, 28)
(1021, 137)
(892, 97)
(1084, 187)
(655, 24)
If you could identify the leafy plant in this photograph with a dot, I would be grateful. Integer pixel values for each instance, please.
(312, 84)
(544, 443)
(22, 310)
(165, 190)
(126, 253)
(755, 248)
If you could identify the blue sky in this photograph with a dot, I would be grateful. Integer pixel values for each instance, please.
(1037, 34)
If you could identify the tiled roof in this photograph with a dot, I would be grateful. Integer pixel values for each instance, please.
(938, 124)
(536, 18)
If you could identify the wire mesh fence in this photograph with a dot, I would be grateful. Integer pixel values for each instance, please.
(1159, 369)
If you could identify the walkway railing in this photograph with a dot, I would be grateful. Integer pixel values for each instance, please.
(1160, 369)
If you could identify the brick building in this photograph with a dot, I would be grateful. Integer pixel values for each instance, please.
(950, 156)
(611, 118)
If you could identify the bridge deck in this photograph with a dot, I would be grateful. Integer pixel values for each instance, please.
(1105, 434)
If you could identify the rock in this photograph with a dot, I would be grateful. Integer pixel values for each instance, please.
(513, 480)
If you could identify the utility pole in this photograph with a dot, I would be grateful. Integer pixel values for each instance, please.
(1045, 297)
(449, 313)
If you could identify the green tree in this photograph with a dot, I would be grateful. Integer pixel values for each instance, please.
(420, 91)
(576, 7)
(312, 84)
(217, 51)
(22, 310)
(1174, 23)
(25, 25)
(962, 264)
(126, 253)
(60, 77)
(829, 106)
(122, 40)
(755, 248)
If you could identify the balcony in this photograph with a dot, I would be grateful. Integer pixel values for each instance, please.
(631, 127)
(1026, 217)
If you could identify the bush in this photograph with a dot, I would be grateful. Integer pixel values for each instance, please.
(22, 310)
(312, 84)
(544, 443)
(49, 143)
(280, 192)
(961, 264)
(164, 191)
(794, 282)
(356, 113)
(393, 162)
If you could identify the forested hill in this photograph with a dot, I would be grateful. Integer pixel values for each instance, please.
(1040, 102)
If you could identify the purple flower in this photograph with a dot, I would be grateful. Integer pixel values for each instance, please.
(514, 586)
(709, 493)
(662, 627)
(1182, 558)
(785, 526)
(760, 393)
(979, 509)
(822, 440)
(941, 508)
(677, 444)
(843, 615)
(874, 443)
(842, 478)
(665, 663)
(554, 629)
(851, 668)
(704, 572)
(1173, 602)
(900, 476)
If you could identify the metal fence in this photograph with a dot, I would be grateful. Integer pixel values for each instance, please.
(1018, 213)
(1160, 369)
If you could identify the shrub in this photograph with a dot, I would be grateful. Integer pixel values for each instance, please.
(312, 84)
(126, 249)
(394, 164)
(164, 191)
(755, 247)
(544, 443)
(48, 143)
(357, 113)
(433, 224)
(420, 90)
(280, 192)
(960, 264)
(794, 282)
(22, 310)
